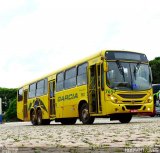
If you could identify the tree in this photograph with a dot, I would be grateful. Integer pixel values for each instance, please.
(7, 96)
(9, 105)
(11, 114)
(155, 66)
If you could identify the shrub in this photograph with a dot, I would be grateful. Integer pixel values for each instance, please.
(11, 114)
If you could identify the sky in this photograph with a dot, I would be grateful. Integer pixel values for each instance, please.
(40, 36)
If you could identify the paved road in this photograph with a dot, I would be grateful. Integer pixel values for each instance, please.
(140, 132)
(97, 121)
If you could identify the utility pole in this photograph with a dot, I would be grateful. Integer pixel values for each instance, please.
(0, 110)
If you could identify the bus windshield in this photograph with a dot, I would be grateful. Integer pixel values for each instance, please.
(128, 76)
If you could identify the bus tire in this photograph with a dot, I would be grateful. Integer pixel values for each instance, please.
(68, 121)
(39, 117)
(33, 117)
(84, 115)
(125, 118)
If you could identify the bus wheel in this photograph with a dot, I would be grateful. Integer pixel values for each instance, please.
(33, 118)
(125, 118)
(68, 121)
(39, 117)
(85, 116)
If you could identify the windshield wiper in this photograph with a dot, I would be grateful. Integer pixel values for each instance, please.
(136, 68)
(120, 68)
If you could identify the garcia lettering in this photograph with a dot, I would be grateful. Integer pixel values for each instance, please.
(68, 97)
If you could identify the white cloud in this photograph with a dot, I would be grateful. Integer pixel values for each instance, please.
(56, 33)
(9, 5)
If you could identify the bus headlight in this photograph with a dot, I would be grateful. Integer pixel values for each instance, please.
(114, 99)
(148, 109)
(150, 99)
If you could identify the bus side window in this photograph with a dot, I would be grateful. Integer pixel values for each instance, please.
(60, 81)
(70, 78)
(45, 86)
(40, 88)
(82, 74)
(32, 90)
(20, 94)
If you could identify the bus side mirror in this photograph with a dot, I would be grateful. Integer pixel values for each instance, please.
(158, 99)
(157, 103)
(105, 66)
(159, 95)
(151, 74)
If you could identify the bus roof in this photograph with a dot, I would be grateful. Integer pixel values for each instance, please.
(100, 53)
(66, 67)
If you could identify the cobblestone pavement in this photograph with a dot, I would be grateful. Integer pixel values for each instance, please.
(143, 132)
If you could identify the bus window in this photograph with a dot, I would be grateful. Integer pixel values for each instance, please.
(40, 88)
(60, 81)
(20, 94)
(82, 77)
(32, 90)
(45, 86)
(70, 78)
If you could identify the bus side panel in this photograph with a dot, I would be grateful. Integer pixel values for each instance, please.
(59, 104)
(30, 105)
(72, 97)
(45, 107)
(41, 102)
(20, 110)
(70, 100)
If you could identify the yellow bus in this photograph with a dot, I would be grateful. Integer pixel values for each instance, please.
(114, 84)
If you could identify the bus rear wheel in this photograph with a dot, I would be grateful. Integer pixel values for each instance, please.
(125, 118)
(33, 118)
(39, 117)
(85, 116)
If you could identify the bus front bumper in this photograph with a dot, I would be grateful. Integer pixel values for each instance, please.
(131, 108)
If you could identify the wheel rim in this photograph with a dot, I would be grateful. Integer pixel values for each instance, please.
(33, 118)
(85, 114)
(39, 117)
(39, 120)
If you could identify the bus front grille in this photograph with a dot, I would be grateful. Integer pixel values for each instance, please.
(133, 107)
(132, 96)
(135, 101)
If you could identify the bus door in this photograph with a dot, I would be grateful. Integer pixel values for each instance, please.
(52, 98)
(25, 114)
(94, 89)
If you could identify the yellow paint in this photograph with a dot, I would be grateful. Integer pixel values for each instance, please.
(68, 105)
(20, 110)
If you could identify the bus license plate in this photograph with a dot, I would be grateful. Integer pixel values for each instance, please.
(133, 110)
